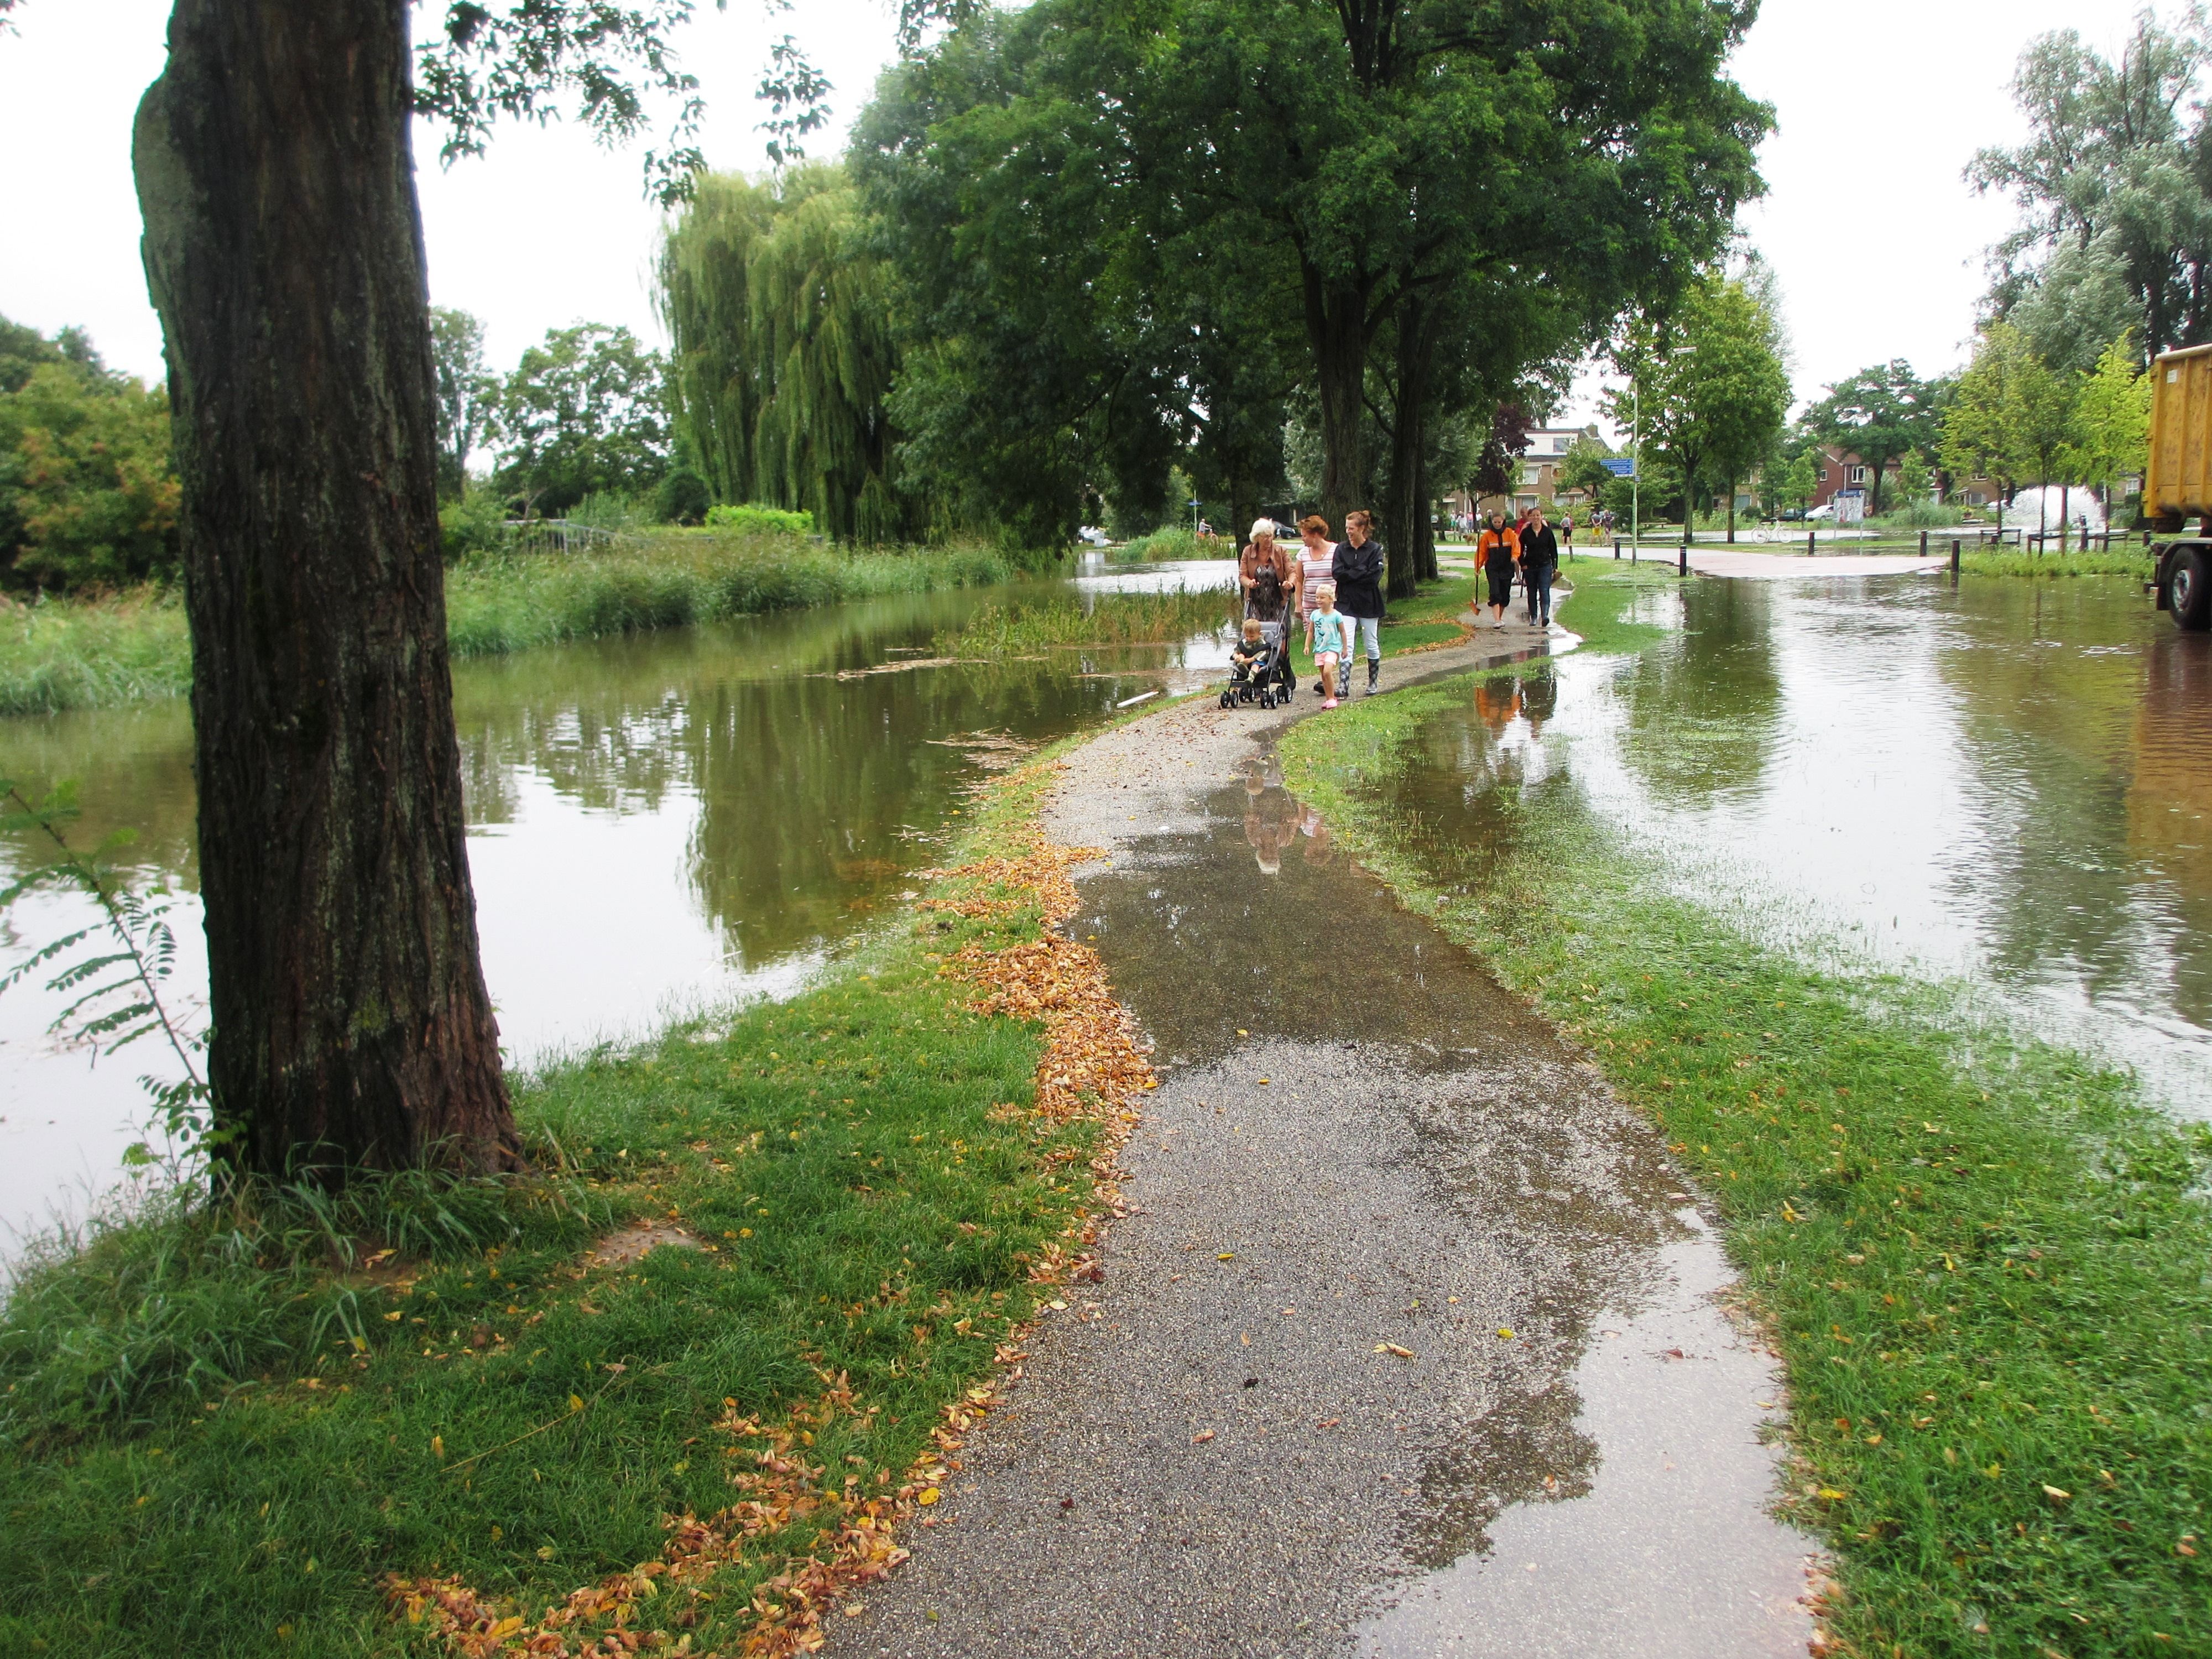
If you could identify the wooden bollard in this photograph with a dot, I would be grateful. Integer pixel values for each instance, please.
(1954, 558)
(1809, 536)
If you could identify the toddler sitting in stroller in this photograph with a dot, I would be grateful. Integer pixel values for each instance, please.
(1252, 667)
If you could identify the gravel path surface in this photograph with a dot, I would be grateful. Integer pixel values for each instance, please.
(1410, 1343)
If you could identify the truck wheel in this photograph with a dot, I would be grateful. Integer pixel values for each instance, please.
(2190, 589)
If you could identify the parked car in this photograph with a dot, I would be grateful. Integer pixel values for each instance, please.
(1821, 514)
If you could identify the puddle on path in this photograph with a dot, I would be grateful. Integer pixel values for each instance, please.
(1635, 1480)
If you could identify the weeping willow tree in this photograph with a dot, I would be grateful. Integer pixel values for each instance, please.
(783, 352)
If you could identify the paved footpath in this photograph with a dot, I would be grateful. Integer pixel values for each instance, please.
(1291, 1421)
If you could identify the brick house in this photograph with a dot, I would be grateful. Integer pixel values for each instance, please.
(1538, 481)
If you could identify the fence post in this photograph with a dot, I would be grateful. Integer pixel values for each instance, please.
(1809, 535)
(1616, 547)
(1954, 558)
(1682, 560)
(1923, 543)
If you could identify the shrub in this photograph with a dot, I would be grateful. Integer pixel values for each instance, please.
(753, 519)
(475, 524)
(683, 498)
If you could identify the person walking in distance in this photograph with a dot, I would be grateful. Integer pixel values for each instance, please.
(1567, 535)
(1496, 552)
(1316, 569)
(1357, 570)
(1540, 561)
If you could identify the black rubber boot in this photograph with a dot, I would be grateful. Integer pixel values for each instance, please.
(1374, 674)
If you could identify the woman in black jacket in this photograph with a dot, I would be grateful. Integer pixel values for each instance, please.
(1358, 569)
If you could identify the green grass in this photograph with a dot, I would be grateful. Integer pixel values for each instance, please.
(2093, 561)
(219, 1435)
(1982, 1259)
(1043, 623)
(100, 652)
(65, 653)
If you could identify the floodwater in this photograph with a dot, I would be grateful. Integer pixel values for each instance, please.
(2004, 787)
(656, 824)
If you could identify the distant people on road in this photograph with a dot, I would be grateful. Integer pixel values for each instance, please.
(1498, 552)
(1357, 571)
(1567, 535)
(1540, 561)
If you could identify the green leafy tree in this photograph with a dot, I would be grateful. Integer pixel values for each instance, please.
(1978, 439)
(2112, 421)
(583, 413)
(468, 397)
(784, 359)
(1796, 479)
(88, 496)
(2115, 193)
(1713, 389)
(1035, 170)
(1878, 414)
(1583, 468)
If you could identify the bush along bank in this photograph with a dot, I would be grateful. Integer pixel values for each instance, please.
(485, 1419)
(1982, 1260)
(99, 652)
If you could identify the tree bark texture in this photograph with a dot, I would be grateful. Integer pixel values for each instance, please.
(284, 253)
(1407, 510)
(1337, 329)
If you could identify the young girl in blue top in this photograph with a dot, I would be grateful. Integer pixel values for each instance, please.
(1326, 638)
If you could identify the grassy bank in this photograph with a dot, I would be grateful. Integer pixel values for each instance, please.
(1982, 1260)
(97, 653)
(437, 1420)
(1047, 623)
(2095, 562)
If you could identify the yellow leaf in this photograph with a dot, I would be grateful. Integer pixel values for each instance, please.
(437, 1446)
(1831, 1492)
(1392, 1347)
(1263, 1079)
(927, 1496)
(1226, 1255)
(506, 1627)
(2055, 1494)
(1505, 1333)
(576, 1402)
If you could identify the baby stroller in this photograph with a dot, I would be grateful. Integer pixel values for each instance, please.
(1268, 680)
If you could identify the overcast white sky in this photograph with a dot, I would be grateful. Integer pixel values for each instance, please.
(1877, 241)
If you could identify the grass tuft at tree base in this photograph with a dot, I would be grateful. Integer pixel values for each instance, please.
(228, 1436)
(1982, 1260)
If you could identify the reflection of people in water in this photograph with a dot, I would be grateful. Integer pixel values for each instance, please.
(1317, 834)
(1540, 696)
(1497, 701)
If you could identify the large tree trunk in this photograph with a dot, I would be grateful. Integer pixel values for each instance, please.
(284, 250)
(1407, 510)
(1337, 329)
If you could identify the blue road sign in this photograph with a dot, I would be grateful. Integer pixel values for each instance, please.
(1622, 466)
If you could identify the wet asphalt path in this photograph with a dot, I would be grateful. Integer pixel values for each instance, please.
(1361, 1144)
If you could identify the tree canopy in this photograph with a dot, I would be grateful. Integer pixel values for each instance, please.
(2115, 190)
(87, 496)
(1115, 231)
(783, 357)
(587, 411)
(1879, 413)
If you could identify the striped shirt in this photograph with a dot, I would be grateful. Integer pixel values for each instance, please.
(1313, 569)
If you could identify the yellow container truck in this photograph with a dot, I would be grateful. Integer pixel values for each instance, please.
(2178, 484)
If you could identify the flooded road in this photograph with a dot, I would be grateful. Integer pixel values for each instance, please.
(655, 823)
(2004, 787)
